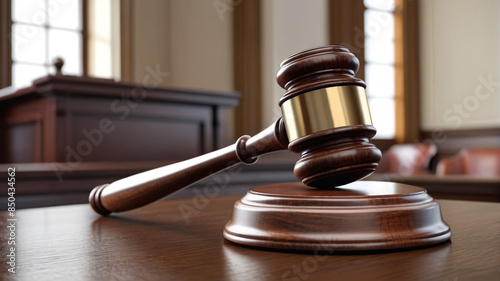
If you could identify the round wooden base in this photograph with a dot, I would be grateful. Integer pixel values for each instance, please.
(362, 215)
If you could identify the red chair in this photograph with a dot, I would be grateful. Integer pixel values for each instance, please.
(408, 159)
(482, 162)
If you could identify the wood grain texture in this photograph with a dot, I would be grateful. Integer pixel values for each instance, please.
(359, 216)
(321, 67)
(157, 243)
(334, 156)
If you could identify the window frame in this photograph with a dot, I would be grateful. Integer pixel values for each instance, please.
(5, 46)
(6, 23)
(346, 28)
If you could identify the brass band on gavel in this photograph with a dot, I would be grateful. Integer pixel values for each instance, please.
(325, 108)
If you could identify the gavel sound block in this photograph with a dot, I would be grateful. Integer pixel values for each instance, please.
(325, 118)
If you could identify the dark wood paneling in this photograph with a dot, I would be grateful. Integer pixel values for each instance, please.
(23, 140)
(152, 131)
(24, 132)
(137, 124)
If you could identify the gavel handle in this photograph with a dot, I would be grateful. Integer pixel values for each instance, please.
(144, 188)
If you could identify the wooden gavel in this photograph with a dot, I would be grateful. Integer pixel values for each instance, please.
(325, 117)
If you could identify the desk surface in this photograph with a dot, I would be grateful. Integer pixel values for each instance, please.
(158, 243)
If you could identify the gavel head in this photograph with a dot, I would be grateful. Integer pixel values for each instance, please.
(326, 116)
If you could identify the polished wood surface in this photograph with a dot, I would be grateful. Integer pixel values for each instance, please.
(158, 243)
(359, 216)
(333, 156)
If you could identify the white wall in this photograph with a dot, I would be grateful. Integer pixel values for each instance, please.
(288, 26)
(460, 53)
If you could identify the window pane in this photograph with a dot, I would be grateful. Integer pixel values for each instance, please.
(383, 116)
(65, 14)
(67, 45)
(29, 11)
(379, 51)
(379, 80)
(24, 74)
(386, 5)
(379, 25)
(28, 43)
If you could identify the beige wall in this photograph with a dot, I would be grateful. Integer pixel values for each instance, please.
(189, 39)
(150, 38)
(186, 38)
(288, 26)
(201, 46)
(460, 53)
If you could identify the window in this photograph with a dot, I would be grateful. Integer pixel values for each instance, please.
(41, 31)
(383, 34)
(379, 65)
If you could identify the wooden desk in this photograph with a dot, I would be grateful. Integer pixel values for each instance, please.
(69, 119)
(156, 243)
